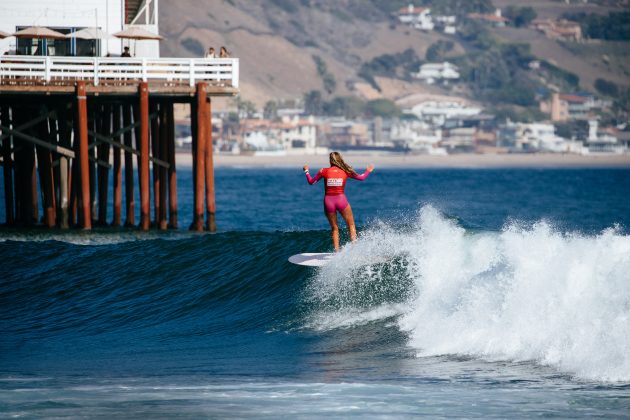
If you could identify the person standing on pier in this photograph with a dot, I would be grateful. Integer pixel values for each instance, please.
(334, 199)
(210, 53)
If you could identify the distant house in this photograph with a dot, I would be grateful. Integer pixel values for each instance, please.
(418, 17)
(445, 23)
(564, 107)
(436, 72)
(286, 135)
(437, 109)
(558, 29)
(493, 19)
(344, 132)
(459, 140)
(534, 137)
(417, 136)
(603, 141)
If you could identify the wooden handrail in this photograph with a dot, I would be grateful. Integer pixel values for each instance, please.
(14, 68)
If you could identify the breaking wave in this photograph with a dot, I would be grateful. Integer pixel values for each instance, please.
(526, 293)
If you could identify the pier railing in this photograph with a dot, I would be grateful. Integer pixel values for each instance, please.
(17, 70)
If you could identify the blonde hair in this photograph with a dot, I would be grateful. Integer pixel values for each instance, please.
(337, 160)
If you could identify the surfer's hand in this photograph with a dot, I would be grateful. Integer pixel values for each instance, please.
(370, 167)
(305, 167)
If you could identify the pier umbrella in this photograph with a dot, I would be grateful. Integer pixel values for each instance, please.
(88, 34)
(137, 34)
(39, 32)
(4, 35)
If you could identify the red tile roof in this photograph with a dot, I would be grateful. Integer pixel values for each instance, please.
(489, 18)
(573, 98)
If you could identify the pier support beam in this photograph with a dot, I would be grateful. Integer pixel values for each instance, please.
(117, 168)
(163, 155)
(199, 153)
(172, 173)
(64, 121)
(7, 168)
(103, 127)
(210, 204)
(130, 204)
(46, 180)
(143, 90)
(63, 192)
(84, 178)
(155, 152)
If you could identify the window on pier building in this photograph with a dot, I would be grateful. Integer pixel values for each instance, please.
(59, 47)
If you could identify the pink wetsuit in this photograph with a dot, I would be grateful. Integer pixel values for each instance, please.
(334, 198)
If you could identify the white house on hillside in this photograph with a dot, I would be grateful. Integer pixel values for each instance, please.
(418, 17)
(435, 72)
(69, 16)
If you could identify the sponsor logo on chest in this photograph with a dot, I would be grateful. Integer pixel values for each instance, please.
(334, 182)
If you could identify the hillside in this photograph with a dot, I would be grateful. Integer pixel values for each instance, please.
(280, 41)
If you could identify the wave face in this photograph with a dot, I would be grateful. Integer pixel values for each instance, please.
(526, 293)
(422, 287)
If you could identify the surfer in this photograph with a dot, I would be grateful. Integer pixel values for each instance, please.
(334, 198)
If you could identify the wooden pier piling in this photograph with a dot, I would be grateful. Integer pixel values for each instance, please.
(117, 205)
(59, 138)
(144, 156)
(130, 205)
(84, 172)
(199, 115)
(209, 166)
(172, 172)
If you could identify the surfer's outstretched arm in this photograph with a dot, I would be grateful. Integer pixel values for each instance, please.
(312, 179)
(364, 175)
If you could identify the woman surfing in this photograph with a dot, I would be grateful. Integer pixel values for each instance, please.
(334, 198)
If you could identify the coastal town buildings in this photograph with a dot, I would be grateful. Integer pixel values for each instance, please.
(562, 29)
(453, 134)
(69, 17)
(437, 72)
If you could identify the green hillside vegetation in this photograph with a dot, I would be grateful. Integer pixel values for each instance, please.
(520, 16)
(613, 27)
(399, 65)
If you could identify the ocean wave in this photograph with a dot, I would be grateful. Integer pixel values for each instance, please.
(524, 293)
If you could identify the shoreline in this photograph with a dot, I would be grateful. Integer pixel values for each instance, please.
(461, 161)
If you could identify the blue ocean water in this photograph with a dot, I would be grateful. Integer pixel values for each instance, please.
(470, 293)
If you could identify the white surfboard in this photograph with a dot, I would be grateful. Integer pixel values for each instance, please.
(312, 259)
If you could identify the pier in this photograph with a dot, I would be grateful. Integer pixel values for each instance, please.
(66, 122)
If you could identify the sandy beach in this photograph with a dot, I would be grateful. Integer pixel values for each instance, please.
(423, 161)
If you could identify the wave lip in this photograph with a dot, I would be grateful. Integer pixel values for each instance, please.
(523, 294)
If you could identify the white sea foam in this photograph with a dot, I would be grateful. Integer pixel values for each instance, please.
(525, 293)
